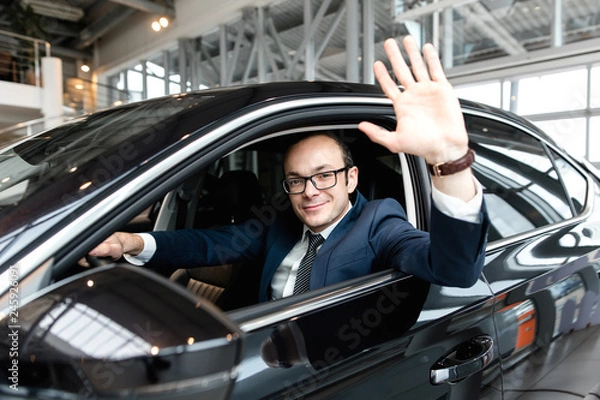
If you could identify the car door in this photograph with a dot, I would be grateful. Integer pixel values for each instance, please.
(543, 248)
(386, 335)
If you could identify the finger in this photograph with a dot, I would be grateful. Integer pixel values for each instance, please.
(416, 59)
(388, 85)
(436, 71)
(399, 66)
(99, 251)
(380, 135)
(83, 262)
(106, 250)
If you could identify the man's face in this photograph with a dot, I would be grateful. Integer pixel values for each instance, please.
(318, 209)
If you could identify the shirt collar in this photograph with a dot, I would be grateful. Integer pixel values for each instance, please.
(327, 231)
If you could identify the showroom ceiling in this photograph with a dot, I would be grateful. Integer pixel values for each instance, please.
(70, 26)
(481, 29)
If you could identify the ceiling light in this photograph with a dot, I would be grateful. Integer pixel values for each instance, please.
(85, 68)
(156, 26)
(164, 22)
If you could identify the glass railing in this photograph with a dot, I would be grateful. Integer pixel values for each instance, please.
(20, 58)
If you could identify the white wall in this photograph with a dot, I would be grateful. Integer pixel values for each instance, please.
(20, 95)
(137, 41)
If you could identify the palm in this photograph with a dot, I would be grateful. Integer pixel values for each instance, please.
(429, 119)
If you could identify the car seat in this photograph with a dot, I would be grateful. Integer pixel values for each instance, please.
(378, 181)
(234, 196)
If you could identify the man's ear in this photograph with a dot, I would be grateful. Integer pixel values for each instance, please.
(352, 181)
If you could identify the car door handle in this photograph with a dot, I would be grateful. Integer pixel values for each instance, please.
(463, 360)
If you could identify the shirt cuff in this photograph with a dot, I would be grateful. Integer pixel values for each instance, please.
(146, 254)
(467, 211)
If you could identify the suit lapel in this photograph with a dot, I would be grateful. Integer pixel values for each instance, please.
(283, 236)
(321, 266)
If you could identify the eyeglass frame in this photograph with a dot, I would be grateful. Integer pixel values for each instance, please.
(310, 178)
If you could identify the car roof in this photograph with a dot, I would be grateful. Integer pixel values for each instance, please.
(109, 143)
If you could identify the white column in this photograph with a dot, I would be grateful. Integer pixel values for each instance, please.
(52, 91)
(556, 27)
(368, 57)
(309, 50)
(447, 47)
(352, 42)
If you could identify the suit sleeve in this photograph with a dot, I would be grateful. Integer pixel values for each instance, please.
(451, 254)
(191, 248)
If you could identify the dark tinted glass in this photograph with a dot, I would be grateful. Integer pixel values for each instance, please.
(575, 183)
(63, 165)
(521, 185)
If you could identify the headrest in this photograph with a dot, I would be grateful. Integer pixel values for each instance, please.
(235, 194)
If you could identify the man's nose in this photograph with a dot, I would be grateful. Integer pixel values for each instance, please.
(310, 189)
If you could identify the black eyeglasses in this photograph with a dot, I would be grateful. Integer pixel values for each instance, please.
(321, 181)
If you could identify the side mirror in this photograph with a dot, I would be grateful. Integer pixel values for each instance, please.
(118, 332)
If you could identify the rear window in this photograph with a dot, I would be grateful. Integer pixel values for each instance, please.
(526, 185)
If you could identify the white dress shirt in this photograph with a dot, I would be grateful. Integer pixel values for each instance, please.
(284, 279)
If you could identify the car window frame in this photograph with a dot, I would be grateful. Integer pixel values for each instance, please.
(587, 209)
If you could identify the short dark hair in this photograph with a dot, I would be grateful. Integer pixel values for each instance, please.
(346, 154)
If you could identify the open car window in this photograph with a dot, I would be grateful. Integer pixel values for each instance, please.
(246, 183)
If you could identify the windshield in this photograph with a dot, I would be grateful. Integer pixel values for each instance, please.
(47, 174)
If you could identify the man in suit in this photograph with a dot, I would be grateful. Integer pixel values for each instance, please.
(348, 239)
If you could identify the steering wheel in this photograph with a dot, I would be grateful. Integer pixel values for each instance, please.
(94, 261)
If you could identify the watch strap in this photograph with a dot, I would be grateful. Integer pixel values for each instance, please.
(452, 167)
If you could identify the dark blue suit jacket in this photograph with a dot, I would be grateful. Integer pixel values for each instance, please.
(373, 236)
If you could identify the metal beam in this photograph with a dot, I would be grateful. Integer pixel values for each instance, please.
(66, 52)
(368, 57)
(236, 51)
(246, 75)
(334, 25)
(166, 61)
(195, 58)
(447, 47)
(144, 80)
(311, 29)
(272, 31)
(209, 59)
(267, 47)
(223, 55)
(148, 6)
(309, 39)
(477, 15)
(572, 54)
(109, 21)
(183, 73)
(557, 25)
(259, 24)
(352, 53)
(430, 9)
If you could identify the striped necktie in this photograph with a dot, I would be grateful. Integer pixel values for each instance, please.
(302, 283)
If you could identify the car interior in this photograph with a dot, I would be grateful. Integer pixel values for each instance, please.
(235, 187)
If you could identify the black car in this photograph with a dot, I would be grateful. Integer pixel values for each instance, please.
(213, 158)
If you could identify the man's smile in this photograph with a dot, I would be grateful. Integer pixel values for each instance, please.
(314, 206)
